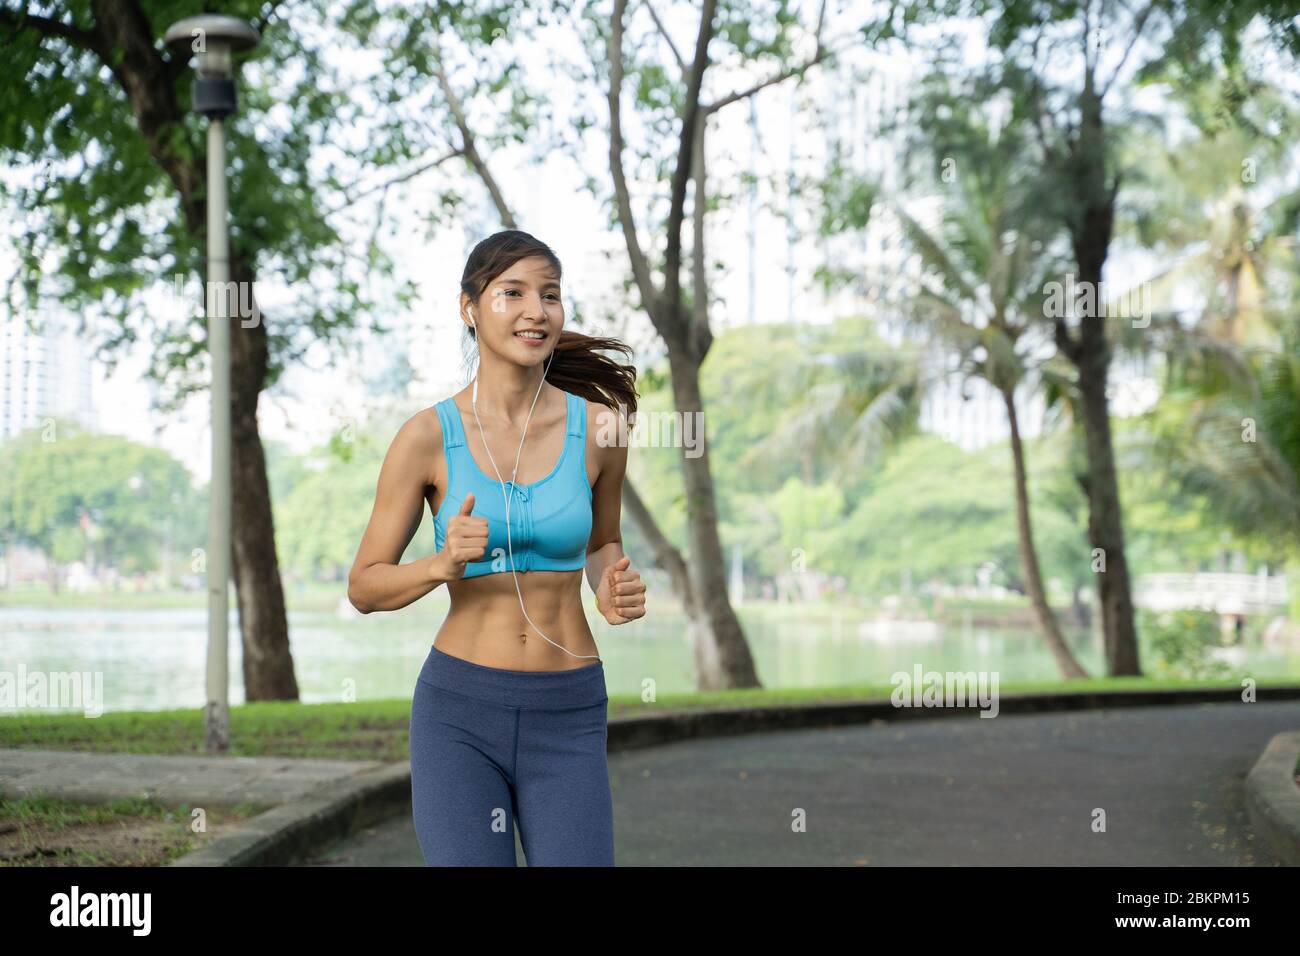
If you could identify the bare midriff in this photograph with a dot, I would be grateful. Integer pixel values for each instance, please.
(486, 626)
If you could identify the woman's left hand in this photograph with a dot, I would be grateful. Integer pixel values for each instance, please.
(621, 595)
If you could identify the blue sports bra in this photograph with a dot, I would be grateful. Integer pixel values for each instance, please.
(550, 519)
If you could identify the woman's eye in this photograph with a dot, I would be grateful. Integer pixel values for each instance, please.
(551, 295)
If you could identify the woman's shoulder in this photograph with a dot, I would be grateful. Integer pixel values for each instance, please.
(449, 405)
(420, 441)
(606, 429)
(598, 413)
(452, 400)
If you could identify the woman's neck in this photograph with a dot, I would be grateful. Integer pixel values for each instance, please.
(507, 392)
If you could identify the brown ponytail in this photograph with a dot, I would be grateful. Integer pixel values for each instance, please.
(577, 365)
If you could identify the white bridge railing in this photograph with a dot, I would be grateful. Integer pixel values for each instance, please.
(1224, 593)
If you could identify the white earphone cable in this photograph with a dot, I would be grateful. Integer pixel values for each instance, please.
(507, 497)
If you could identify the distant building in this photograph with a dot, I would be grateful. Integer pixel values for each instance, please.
(43, 374)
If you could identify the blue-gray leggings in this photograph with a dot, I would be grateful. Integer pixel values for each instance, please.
(494, 748)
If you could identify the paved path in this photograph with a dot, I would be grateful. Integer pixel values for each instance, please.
(198, 781)
(1015, 789)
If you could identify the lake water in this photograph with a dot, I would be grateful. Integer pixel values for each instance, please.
(155, 659)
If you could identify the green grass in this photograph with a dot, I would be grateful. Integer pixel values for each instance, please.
(58, 814)
(378, 729)
(51, 831)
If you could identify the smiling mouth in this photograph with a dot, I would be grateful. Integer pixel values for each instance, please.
(531, 336)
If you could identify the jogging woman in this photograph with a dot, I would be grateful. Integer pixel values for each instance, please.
(523, 473)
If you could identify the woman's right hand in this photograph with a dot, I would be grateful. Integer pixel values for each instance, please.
(467, 539)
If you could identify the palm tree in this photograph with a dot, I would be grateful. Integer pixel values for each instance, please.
(1216, 211)
(1236, 439)
(845, 406)
(1228, 423)
(986, 267)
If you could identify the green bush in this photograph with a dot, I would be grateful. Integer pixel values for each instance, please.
(1180, 643)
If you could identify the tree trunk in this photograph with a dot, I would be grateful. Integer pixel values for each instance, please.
(124, 40)
(1105, 524)
(1065, 660)
(721, 653)
(263, 624)
(1090, 226)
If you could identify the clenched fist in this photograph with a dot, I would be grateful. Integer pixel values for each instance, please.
(620, 597)
(467, 539)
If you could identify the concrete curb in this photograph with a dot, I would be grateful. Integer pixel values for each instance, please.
(1273, 798)
(292, 831)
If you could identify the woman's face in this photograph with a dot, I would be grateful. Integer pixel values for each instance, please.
(523, 299)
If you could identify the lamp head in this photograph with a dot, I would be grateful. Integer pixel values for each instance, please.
(214, 38)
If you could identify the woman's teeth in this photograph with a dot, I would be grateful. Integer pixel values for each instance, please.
(531, 335)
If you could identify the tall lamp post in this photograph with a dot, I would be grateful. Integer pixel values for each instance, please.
(214, 39)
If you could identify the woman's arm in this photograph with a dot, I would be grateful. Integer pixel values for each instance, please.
(620, 592)
(377, 582)
(605, 545)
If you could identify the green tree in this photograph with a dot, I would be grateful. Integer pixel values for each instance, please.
(985, 268)
(112, 201)
(82, 496)
(1238, 444)
(1036, 44)
(842, 406)
(671, 100)
(1220, 206)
